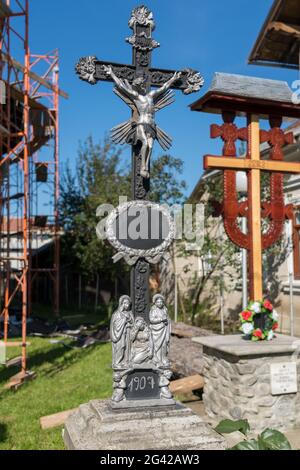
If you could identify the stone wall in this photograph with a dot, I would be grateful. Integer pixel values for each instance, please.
(241, 389)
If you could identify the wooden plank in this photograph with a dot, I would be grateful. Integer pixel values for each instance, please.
(18, 380)
(4, 10)
(255, 213)
(229, 163)
(34, 76)
(12, 344)
(187, 385)
(18, 95)
(182, 334)
(286, 28)
(3, 130)
(255, 230)
(55, 420)
(16, 361)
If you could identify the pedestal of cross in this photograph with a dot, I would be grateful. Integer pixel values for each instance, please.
(255, 98)
(140, 336)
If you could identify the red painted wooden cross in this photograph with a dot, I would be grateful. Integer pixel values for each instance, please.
(254, 209)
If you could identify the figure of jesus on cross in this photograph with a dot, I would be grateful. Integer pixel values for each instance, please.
(142, 127)
(145, 90)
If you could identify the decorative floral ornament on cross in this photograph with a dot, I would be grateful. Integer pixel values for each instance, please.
(259, 321)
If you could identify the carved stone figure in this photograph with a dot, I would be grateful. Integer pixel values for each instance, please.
(138, 345)
(142, 342)
(119, 386)
(121, 324)
(142, 128)
(141, 16)
(161, 331)
(86, 69)
(164, 383)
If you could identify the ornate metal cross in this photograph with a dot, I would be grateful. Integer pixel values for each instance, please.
(145, 90)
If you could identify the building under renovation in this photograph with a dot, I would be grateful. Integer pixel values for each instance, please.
(29, 168)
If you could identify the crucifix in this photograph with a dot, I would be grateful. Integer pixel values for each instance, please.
(134, 84)
(145, 90)
(232, 95)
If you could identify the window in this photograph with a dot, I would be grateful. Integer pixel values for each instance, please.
(296, 242)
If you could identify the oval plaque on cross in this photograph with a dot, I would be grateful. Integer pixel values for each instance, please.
(140, 229)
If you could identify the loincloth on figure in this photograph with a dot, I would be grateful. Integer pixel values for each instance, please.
(127, 133)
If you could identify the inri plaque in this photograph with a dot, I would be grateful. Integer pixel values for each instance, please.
(284, 378)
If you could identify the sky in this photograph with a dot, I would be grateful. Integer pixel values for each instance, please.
(207, 35)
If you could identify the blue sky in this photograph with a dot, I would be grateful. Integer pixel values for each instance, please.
(208, 35)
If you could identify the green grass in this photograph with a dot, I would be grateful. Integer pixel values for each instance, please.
(75, 317)
(65, 379)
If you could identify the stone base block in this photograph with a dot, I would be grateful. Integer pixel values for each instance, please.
(127, 404)
(238, 381)
(97, 426)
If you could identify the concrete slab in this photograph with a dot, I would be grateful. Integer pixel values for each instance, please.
(236, 345)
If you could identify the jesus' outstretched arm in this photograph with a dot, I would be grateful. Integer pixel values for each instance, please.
(166, 85)
(120, 83)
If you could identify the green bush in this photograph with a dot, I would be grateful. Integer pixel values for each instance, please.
(270, 439)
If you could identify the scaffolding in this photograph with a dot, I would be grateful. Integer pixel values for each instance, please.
(29, 167)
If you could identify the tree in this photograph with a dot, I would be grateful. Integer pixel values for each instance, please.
(218, 256)
(166, 187)
(100, 177)
(97, 179)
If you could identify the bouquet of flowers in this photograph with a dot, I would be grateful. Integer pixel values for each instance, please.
(259, 321)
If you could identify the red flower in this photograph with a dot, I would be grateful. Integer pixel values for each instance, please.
(268, 305)
(246, 315)
(258, 333)
(275, 326)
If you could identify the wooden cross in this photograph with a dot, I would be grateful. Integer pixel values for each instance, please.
(276, 138)
(253, 165)
(229, 133)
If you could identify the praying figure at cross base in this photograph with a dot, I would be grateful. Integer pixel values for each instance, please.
(120, 327)
(160, 326)
(141, 128)
(142, 342)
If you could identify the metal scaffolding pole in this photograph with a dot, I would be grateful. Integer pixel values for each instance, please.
(14, 155)
(29, 125)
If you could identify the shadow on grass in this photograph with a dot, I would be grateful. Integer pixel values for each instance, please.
(55, 360)
(76, 317)
(3, 432)
(70, 357)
